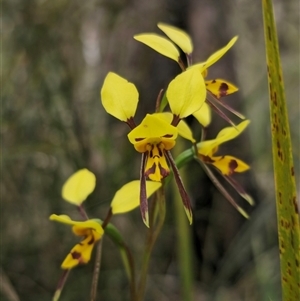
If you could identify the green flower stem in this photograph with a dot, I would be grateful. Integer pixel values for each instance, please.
(183, 230)
(157, 217)
(184, 252)
(60, 285)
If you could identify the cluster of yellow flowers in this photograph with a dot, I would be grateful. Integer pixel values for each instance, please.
(187, 94)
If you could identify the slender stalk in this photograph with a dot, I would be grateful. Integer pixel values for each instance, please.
(82, 212)
(60, 285)
(156, 227)
(96, 271)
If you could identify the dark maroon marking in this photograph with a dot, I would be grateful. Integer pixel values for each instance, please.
(168, 136)
(232, 166)
(278, 144)
(213, 81)
(163, 171)
(131, 123)
(92, 240)
(143, 192)
(295, 205)
(207, 159)
(184, 196)
(292, 171)
(175, 120)
(76, 255)
(223, 89)
(139, 139)
(150, 171)
(160, 152)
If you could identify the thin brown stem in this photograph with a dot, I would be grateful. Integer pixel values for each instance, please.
(82, 212)
(61, 284)
(96, 271)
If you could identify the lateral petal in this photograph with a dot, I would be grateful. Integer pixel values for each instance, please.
(119, 97)
(178, 36)
(159, 44)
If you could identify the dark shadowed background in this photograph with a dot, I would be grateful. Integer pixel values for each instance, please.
(55, 56)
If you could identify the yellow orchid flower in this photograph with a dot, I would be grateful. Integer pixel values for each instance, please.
(155, 137)
(78, 186)
(91, 230)
(218, 88)
(227, 165)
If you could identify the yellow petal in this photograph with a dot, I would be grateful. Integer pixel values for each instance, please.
(159, 44)
(80, 254)
(186, 93)
(79, 227)
(229, 165)
(178, 36)
(203, 115)
(79, 185)
(152, 130)
(220, 87)
(128, 197)
(183, 129)
(119, 97)
(218, 54)
(207, 148)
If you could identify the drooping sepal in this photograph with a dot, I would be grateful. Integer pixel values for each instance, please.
(184, 196)
(143, 194)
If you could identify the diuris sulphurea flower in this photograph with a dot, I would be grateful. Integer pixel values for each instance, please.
(154, 137)
(91, 230)
(226, 165)
(217, 88)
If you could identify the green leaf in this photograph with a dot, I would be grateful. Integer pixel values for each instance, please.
(286, 204)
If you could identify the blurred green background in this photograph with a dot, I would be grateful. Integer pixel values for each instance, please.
(55, 55)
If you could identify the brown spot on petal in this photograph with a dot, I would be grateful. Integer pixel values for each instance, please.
(292, 171)
(207, 159)
(91, 241)
(223, 89)
(164, 173)
(232, 166)
(151, 170)
(139, 139)
(76, 255)
(168, 136)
